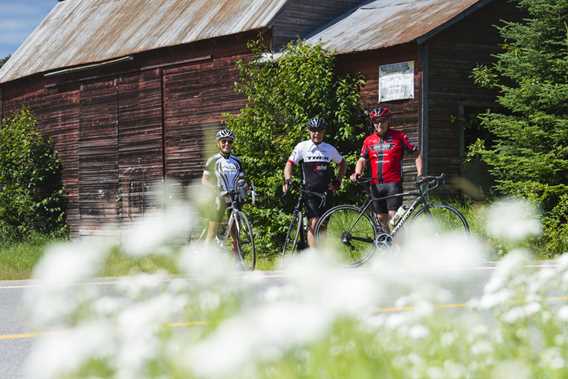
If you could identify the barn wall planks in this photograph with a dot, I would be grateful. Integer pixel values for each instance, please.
(110, 126)
(299, 18)
(406, 112)
(453, 55)
(57, 111)
(195, 97)
(140, 152)
(98, 155)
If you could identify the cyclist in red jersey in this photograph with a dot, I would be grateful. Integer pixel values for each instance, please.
(384, 150)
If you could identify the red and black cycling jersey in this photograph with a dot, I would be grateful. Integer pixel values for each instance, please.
(384, 155)
(315, 160)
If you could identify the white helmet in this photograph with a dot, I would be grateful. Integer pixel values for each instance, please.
(225, 134)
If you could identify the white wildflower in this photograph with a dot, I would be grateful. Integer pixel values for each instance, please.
(482, 348)
(206, 265)
(418, 332)
(553, 358)
(511, 369)
(563, 313)
(158, 229)
(59, 354)
(513, 220)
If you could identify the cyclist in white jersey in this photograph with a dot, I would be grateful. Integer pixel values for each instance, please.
(314, 156)
(222, 170)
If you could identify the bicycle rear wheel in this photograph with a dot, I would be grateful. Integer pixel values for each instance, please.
(292, 235)
(246, 251)
(349, 232)
(447, 218)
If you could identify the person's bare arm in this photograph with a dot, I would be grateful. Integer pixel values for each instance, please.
(359, 167)
(287, 176)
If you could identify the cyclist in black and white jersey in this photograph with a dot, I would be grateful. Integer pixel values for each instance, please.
(222, 170)
(314, 157)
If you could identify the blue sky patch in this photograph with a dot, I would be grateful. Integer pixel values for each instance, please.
(18, 18)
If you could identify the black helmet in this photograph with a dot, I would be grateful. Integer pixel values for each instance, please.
(225, 134)
(316, 124)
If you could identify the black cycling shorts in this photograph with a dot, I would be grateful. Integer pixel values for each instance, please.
(386, 189)
(312, 203)
(216, 212)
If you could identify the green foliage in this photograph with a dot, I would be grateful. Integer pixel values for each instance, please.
(4, 60)
(31, 192)
(529, 156)
(283, 95)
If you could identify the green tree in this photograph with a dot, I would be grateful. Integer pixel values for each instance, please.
(4, 60)
(31, 191)
(529, 154)
(283, 94)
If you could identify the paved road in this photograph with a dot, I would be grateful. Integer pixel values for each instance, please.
(16, 335)
(14, 346)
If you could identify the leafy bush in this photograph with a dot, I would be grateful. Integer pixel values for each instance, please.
(283, 94)
(31, 191)
(529, 157)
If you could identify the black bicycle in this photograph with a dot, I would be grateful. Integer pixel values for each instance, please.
(236, 234)
(356, 234)
(296, 236)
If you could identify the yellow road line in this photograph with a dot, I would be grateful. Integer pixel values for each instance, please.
(189, 324)
(21, 336)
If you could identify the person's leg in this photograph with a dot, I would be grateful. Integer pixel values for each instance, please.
(380, 207)
(393, 203)
(211, 230)
(312, 221)
(214, 221)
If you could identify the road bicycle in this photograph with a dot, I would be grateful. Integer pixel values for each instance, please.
(236, 234)
(356, 234)
(296, 236)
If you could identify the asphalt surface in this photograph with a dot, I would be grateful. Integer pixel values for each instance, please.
(13, 326)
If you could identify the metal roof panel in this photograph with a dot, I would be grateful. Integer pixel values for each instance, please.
(384, 23)
(78, 32)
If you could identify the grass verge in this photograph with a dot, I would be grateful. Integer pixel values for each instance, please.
(17, 259)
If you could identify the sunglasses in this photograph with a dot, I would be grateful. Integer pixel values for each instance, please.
(377, 120)
(226, 141)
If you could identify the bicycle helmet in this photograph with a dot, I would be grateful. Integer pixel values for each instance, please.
(225, 134)
(316, 124)
(380, 113)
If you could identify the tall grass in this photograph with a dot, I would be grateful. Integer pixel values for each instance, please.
(17, 259)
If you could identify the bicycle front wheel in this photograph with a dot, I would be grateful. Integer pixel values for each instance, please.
(348, 231)
(246, 251)
(293, 235)
(447, 218)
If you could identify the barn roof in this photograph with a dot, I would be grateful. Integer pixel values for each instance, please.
(383, 23)
(77, 32)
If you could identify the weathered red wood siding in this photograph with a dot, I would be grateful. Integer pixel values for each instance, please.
(406, 112)
(140, 140)
(98, 154)
(119, 130)
(453, 55)
(57, 111)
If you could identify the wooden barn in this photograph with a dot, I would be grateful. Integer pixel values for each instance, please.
(126, 88)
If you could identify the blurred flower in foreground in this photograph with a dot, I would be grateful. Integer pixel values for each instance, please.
(314, 318)
(513, 220)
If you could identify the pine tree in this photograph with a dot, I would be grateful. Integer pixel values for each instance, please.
(529, 156)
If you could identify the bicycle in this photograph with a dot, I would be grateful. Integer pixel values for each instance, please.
(355, 233)
(296, 236)
(236, 233)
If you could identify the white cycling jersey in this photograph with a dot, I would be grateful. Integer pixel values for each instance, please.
(314, 160)
(226, 171)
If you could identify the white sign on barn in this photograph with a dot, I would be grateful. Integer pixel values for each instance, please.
(396, 81)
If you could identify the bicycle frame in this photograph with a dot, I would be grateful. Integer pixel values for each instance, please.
(298, 212)
(420, 199)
